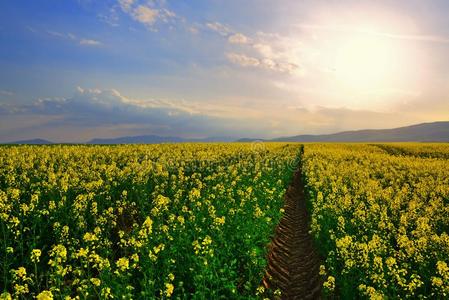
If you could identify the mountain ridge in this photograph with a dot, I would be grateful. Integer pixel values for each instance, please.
(423, 132)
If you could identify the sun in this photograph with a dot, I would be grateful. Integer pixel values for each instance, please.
(365, 61)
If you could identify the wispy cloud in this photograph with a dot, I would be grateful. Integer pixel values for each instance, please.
(402, 36)
(266, 63)
(66, 36)
(221, 29)
(147, 13)
(91, 109)
(97, 112)
(238, 38)
(269, 51)
(243, 60)
(6, 93)
(126, 5)
(89, 42)
(72, 37)
(414, 37)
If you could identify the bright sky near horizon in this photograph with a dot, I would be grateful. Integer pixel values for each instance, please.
(75, 70)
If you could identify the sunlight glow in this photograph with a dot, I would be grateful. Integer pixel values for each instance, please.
(365, 61)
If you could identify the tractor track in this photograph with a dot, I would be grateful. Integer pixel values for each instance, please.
(293, 262)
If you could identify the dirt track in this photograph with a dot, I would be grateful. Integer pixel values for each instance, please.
(293, 263)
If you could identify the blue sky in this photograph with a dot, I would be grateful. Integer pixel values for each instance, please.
(75, 70)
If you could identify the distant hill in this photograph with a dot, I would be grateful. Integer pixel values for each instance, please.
(426, 132)
(32, 142)
(155, 139)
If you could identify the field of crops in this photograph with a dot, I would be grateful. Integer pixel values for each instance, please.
(190, 221)
(381, 220)
(153, 221)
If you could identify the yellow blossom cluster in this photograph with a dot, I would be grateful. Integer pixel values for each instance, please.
(139, 221)
(380, 215)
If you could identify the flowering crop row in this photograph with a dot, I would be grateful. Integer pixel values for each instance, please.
(381, 220)
(149, 221)
(426, 150)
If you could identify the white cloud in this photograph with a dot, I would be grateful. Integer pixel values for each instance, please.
(401, 36)
(270, 51)
(93, 113)
(265, 63)
(61, 35)
(72, 37)
(145, 15)
(238, 38)
(221, 29)
(89, 110)
(6, 93)
(149, 13)
(243, 60)
(89, 42)
(265, 50)
(126, 4)
(111, 17)
(193, 30)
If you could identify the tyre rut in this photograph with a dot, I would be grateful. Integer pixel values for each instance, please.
(293, 262)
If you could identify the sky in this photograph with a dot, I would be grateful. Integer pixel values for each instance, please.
(75, 70)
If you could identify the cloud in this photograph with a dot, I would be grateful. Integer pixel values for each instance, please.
(193, 29)
(402, 36)
(72, 37)
(243, 60)
(89, 110)
(111, 17)
(6, 93)
(266, 63)
(264, 49)
(149, 13)
(66, 36)
(414, 37)
(89, 42)
(269, 51)
(126, 4)
(238, 38)
(90, 113)
(221, 29)
(145, 15)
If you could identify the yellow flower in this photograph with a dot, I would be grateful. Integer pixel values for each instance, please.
(322, 270)
(123, 263)
(82, 252)
(21, 272)
(45, 295)
(5, 296)
(95, 281)
(35, 255)
(148, 224)
(169, 289)
(135, 257)
(89, 237)
(219, 221)
(329, 284)
(106, 293)
(21, 289)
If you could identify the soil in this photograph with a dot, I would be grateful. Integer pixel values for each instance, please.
(293, 262)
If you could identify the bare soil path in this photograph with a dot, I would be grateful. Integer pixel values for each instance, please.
(293, 262)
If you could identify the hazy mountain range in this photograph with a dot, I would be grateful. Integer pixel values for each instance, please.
(426, 132)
